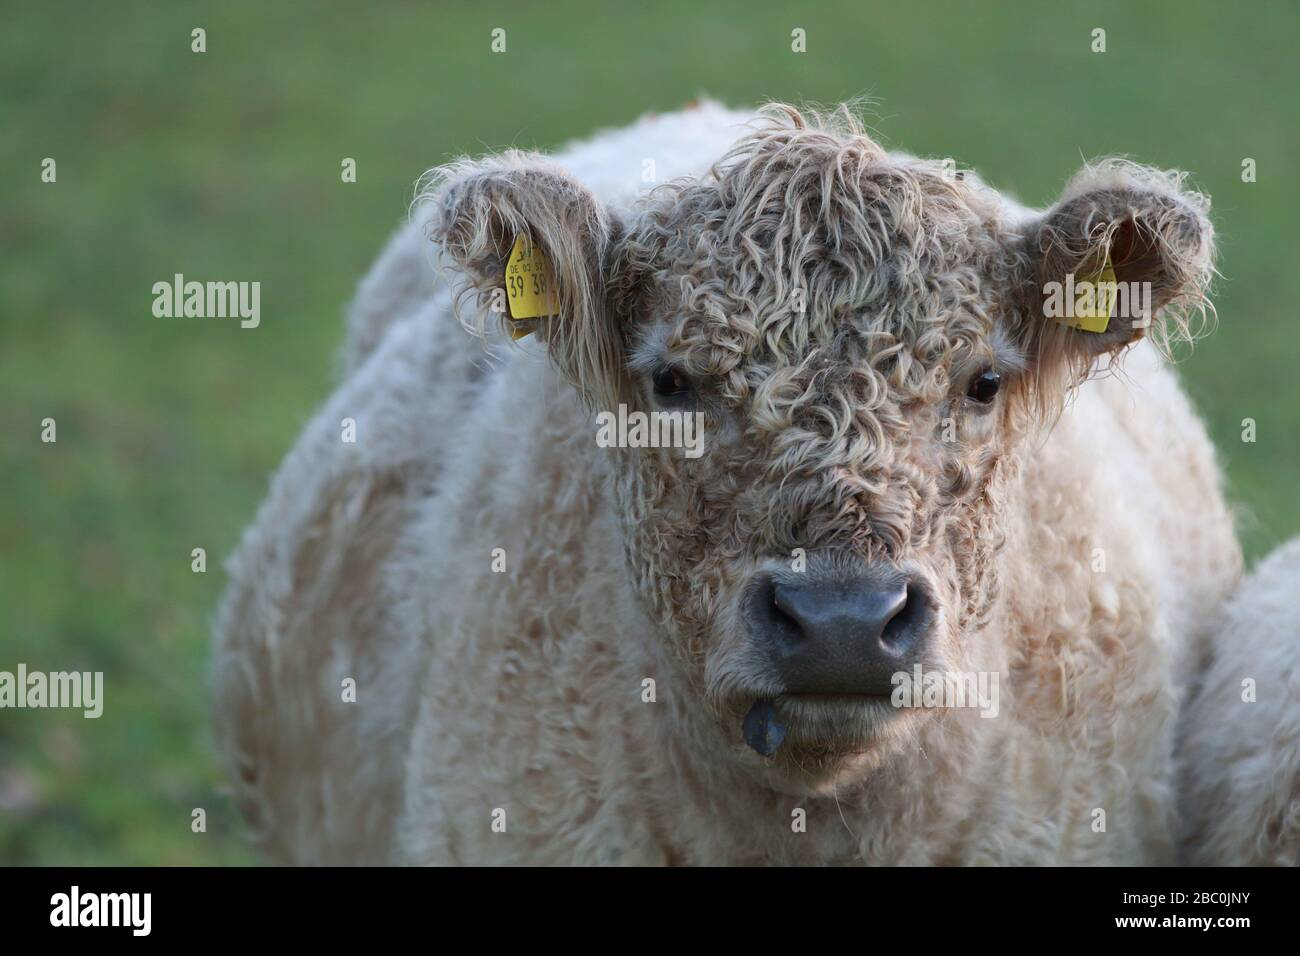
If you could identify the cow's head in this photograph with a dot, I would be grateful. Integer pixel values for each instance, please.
(867, 338)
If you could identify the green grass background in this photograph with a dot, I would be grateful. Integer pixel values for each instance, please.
(226, 165)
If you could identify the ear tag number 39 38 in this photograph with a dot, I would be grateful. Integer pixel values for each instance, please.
(530, 286)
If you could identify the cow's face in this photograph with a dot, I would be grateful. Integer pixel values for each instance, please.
(843, 352)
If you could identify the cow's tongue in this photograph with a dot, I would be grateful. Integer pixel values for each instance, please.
(763, 732)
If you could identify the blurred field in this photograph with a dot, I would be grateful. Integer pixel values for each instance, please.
(226, 165)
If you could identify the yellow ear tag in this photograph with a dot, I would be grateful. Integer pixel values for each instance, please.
(1094, 302)
(530, 287)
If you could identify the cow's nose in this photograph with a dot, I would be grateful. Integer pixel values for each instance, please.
(838, 631)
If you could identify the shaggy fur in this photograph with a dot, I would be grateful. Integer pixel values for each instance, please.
(1240, 752)
(828, 302)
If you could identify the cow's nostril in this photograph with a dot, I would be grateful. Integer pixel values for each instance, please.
(776, 616)
(783, 611)
(901, 630)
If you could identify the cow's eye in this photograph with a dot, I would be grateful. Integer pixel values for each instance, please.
(670, 382)
(984, 387)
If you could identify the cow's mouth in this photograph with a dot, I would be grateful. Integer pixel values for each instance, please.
(767, 723)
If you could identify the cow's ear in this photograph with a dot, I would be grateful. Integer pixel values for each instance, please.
(1125, 252)
(533, 245)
